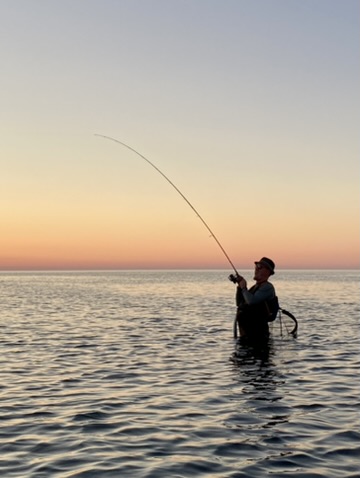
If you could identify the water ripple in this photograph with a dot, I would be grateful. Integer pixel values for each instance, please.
(99, 379)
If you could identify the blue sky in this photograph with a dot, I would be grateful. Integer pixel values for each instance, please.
(251, 107)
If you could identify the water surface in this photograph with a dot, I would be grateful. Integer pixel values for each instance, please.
(136, 374)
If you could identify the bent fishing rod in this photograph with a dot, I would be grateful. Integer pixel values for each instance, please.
(179, 192)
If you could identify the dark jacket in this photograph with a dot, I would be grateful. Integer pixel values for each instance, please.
(255, 308)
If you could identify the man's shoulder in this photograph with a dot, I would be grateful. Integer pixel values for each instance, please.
(268, 289)
(267, 285)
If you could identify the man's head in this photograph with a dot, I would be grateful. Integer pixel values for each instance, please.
(264, 268)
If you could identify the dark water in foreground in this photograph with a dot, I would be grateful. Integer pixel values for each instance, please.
(128, 374)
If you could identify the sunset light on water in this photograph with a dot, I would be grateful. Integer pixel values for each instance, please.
(117, 347)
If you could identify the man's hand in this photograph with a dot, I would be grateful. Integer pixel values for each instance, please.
(242, 283)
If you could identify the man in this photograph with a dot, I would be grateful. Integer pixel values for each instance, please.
(258, 305)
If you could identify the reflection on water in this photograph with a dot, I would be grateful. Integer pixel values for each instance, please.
(261, 382)
(136, 374)
(246, 353)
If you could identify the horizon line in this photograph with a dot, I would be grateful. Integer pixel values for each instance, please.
(113, 269)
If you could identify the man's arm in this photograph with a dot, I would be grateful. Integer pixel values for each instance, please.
(264, 292)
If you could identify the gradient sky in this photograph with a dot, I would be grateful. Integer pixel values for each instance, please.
(251, 107)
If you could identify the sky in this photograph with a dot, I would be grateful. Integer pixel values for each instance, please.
(251, 108)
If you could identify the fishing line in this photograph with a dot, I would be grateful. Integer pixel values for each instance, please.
(178, 191)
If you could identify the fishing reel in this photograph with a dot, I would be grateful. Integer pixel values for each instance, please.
(234, 278)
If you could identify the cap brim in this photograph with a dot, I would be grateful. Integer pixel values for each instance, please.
(265, 264)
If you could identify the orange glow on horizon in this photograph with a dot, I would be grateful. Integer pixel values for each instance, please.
(269, 156)
(96, 252)
(96, 236)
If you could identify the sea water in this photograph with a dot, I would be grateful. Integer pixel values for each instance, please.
(136, 374)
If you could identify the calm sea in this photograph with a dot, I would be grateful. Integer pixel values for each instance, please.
(136, 374)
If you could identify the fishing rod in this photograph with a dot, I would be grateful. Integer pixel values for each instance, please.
(179, 192)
